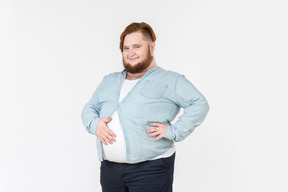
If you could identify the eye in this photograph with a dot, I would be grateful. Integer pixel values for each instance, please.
(137, 46)
(126, 48)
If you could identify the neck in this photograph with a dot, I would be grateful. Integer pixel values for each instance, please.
(134, 76)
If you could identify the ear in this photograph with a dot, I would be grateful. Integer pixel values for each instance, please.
(152, 47)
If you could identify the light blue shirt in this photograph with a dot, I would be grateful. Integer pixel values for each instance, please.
(157, 97)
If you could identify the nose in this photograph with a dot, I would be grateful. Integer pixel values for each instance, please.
(131, 52)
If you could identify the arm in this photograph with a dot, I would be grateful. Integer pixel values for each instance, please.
(92, 122)
(195, 110)
(90, 113)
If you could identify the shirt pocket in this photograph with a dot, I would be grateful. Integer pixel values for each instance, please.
(153, 90)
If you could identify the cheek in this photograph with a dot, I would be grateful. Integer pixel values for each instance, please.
(142, 54)
(124, 55)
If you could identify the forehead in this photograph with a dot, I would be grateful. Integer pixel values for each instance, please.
(134, 38)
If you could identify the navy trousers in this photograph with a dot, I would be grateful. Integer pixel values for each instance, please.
(148, 176)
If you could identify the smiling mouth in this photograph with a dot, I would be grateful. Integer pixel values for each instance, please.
(133, 58)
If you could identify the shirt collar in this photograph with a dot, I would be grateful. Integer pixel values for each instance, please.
(148, 72)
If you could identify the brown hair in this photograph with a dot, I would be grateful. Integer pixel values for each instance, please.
(144, 28)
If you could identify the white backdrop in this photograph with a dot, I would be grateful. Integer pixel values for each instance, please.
(54, 53)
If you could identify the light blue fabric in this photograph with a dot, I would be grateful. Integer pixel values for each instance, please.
(157, 97)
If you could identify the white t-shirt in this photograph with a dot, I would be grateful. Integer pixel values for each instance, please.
(117, 151)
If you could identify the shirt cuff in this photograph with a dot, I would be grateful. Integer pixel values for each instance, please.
(170, 132)
(93, 126)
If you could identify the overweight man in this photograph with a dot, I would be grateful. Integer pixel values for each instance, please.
(131, 112)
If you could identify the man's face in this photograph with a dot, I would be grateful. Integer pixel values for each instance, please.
(136, 53)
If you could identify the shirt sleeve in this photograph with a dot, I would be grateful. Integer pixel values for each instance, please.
(195, 110)
(91, 112)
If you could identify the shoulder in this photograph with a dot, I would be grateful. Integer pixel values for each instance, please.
(113, 76)
(167, 74)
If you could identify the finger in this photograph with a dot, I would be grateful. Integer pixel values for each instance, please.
(153, 135)
(154, 124)
(109, 141)
(158, 132)
(110, 132)
(109, 137)
(103, 141)
(151, 130)
(157, 138)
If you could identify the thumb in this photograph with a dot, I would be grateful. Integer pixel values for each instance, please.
(107, 120)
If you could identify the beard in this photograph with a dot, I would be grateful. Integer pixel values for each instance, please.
(139, 67)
